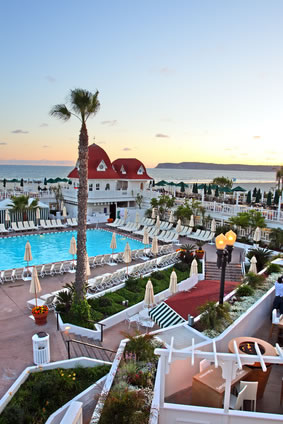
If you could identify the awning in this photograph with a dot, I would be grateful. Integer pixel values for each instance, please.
(165, 316)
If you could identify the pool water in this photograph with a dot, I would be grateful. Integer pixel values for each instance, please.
(54, 247)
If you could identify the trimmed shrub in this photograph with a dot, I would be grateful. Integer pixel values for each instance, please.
(273, 268)
(244, 290)
(254, 280)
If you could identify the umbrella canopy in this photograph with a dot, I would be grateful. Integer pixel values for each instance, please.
(157, 224)
(238, 188)
(178, 227)
(73, 246)
(192, 221)
(37, 213)
(28, 255)
(137, 217)
(194, 268)
(171, 217)
(127, 257)
(145, 239)
(149, 294)
(34, 284)
(213, 226)
(113, 244)
(173, 283)
(225, 190)
(253, 267)
(161, 183)
(87, 267)
(125, 214)
(153, 216)
(64, 212)
(154, 246)
(7, 215)
(257, 234)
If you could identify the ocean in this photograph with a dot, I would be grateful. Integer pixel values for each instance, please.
(247, 179)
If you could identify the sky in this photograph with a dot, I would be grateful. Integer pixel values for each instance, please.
(178, 80)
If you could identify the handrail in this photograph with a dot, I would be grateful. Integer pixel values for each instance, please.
(86, 344)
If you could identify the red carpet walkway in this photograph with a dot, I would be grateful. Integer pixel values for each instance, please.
(187, 302)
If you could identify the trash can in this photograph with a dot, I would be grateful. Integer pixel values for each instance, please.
(41, 348)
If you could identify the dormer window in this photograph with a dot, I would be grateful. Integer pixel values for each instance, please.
(123, 171)
(140, 170)
(102, 166)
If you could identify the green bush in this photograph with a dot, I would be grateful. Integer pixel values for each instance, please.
(244, 290)
(273, 268)
(104, 301)
(254, 280)
(46, 391)
(182, 266)
(213, 315)
(157, 275)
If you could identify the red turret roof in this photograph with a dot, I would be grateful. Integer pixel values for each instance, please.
(130, 169)
(97, 159)
(101, 168)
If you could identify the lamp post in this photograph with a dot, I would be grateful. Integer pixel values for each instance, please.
(224, 246)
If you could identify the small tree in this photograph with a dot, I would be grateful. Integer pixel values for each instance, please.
(269, 198)
(57, 190)
(223, 182)
(276, 198)
(248, 220)
(139, 200)
(249, 198)
(21, 204)
(4, 182)
(216, 192)
(276, 238)
(254, 192)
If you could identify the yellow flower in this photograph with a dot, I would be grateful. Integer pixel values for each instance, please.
(43, 409)
(10, 393)
(74, 378)
(62, 374)
(74, 374)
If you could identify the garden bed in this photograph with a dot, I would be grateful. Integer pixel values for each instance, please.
(46, 391)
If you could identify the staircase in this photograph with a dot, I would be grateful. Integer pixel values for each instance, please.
(233, 272)
(81, 349)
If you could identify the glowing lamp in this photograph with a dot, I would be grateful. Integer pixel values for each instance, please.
(231, 238)
(221, 242)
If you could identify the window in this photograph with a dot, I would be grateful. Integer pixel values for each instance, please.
(123, 171)
(102, 166)
(107, 187)
(97, 186)
(140, 171)
(90, 187)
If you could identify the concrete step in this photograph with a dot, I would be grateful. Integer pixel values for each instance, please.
(78, 349)
(233, 272)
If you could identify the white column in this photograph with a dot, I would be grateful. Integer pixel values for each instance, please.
(162, 380)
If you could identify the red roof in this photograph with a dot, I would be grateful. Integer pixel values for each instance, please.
(97, 157)
(130, 169)
(101, 168)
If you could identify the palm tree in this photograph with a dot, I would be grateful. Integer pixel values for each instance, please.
(83, 104)
(21, 204)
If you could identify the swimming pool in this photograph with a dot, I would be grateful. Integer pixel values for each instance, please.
(54, 247)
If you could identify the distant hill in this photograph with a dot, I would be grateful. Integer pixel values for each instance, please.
(218, 166)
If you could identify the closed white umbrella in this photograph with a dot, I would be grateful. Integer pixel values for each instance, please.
(34, 284)
(154, 246)
(149, 294)
(257, 234)
(145, 239)
(178, 227)
(137, 218)
(157, 224)
(213, 226)
(253, 267)
(127, 257)
(125, 214)
(192, 221)
(87, 266)
(171, 217)
(113, 244)
(7, 215)
(73, 249)
(153, 216)
(62, 205)
(28, 255)
(173, 283)
(194, 268)
(64, 212)
(37, 214)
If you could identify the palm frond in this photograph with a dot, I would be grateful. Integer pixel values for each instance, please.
(61, 112)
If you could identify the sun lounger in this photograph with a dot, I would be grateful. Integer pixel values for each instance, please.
(8, 275)
(74, 221)
(60, 223)
(3, 229)
(47, 269)
(26, 225)
(40, 270)
(20, 273)
(32, 226)
(42, 224)
(54, 223)
(68, 266)
(40, 302)
(57, 268)
(98, 260)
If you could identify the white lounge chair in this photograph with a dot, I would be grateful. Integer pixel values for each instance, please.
(3, 229)
(8, 275)
(14, 226)
(43, 223)
(60, 223)
(26, 225)
(32, 226)
(20, 226)
(57, 268)
(74, 221)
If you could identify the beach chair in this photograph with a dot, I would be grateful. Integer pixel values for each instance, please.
(26, 225)
(47, 269)
(98, 260)
(14, 226)
(19, 274)
(57, 268)
(119, 257)
(69, 222)
(42, 223)
(49, 302)
(32, 226)
(49, 224)
(106, 259)
(3, 229)
(8, 275)
(75, 222)
(20, 226)
(54, 223)
(40, 270)
(60, 223)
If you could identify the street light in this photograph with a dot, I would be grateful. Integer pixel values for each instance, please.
(224, 246)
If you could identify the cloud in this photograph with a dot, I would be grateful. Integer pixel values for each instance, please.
(110, 123)
(46, 162)
(43, 125)
(19, 132)
(160, 135)
(49, 78)
(2, 143)
(256, 136)
(45, 146)
(126, 149)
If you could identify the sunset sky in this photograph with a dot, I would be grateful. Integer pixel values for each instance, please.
(179, 80)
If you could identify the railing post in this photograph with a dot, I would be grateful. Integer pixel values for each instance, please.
(69, 354)
(57, 321)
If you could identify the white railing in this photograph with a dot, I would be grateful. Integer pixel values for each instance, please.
(74, 414)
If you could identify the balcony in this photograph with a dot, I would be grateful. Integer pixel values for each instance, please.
(105, 195)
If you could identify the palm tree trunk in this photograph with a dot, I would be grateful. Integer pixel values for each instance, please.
(81, 276)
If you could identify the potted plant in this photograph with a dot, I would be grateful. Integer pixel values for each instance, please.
(40, 314)
(200, 252)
